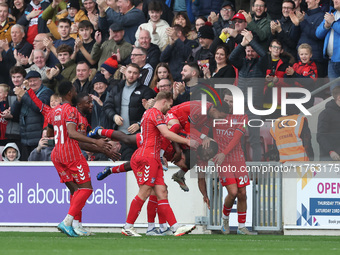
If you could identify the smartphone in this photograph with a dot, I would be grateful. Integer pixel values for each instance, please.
(50, 143)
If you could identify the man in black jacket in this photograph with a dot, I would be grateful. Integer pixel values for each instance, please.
(328, 133)
(251, 61)
(124, 106)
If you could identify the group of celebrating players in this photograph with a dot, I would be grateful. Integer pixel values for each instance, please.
(179, 134)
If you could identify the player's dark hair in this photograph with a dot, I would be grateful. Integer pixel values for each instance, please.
(214, 148)
(223, 108)
(163, 95)
(81, 95)
(64, 88)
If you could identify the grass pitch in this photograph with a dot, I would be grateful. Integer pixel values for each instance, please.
(108, 243)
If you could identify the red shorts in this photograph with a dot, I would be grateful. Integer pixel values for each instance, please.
(148, 171)
(77, 171)
(234, 172)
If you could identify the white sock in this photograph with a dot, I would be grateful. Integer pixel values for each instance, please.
(181, 173)
(174, 227)
(100, 131)
(241, 225)
(127, 226)
(151, 226)
(162, 153)
(163, 227)
(68, 220)
(225, 217)
(75, 223)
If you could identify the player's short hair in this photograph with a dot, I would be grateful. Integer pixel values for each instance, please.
(5, 86)
(305, 46)
(81, 95)
(163, 95)
(227, 92)
(336, 92)
(224, 107)
(65, 48)
(18, 69)
(155, 6)
(65, 20)
(211, 151)
(64, 88)
(85, 24)
(134, 65)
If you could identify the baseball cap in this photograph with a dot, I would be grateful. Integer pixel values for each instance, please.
(228, 3)
(239, 16)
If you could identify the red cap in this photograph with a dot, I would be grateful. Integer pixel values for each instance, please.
(239, 16)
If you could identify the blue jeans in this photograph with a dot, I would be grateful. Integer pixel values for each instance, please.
(334, 72)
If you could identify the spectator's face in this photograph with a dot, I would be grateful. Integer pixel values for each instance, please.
(131, 75)
(18, 4)
(99, 87)
(11, 154)
(144, 39)
(117, 35)
(164, 85)
(162, 73)
(123, 6)
(259, 8)
(89, 5)
(83, 72)
(240, 25)
(17, 79)
(64, 57)
(337, 4)
(34, 83)
(199, 23)
(72, 11)
(17, 35)
(180, 20)
(38, 42)
(3, 13)
(155, 16)
(227, 12)
(205, 42)
(138, 57)
(286, 9)
(106, 74)
(312, 4)
(275, 50)
(220, 57)
(55, 101)
(250, 53)
(305, 55)
(64, 30)
(229, 100)
(3, 94)
(39, 59)
(186, 73)
(85, 33)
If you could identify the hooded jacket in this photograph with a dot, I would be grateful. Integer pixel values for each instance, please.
(10, 145)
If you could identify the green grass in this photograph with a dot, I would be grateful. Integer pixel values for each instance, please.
(108, 243)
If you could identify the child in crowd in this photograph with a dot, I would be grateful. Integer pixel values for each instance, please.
(11, 152)
(305, 71)
(4, 89)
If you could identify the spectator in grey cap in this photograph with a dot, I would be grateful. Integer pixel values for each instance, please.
(30, 119)
(224, 19)
(115, 44)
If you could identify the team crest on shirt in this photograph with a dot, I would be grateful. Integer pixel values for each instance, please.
(159, 117)
(72, 115)
(139, 174)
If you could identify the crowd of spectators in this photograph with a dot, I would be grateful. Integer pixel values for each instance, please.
(123, 52)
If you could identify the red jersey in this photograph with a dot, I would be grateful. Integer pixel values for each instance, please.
(189, 115)
(224, 133)
(66, 149)
(150, 135)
